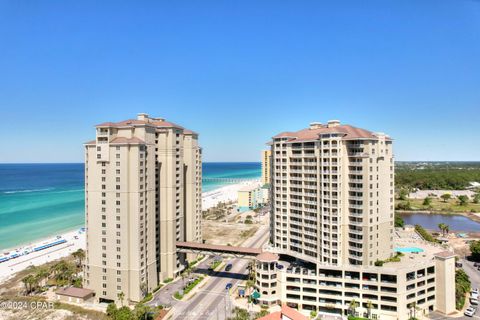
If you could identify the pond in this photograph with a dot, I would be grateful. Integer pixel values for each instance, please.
(431, 221)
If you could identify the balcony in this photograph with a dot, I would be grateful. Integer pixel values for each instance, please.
(358, 154)
(356, 206)
(357, 198)
(359, 232)
(355, 180)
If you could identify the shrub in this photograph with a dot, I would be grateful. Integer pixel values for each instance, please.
(168, 280)
(178, 295)
(148, 297)
(399, 223)
(424, 233)
(462, 286)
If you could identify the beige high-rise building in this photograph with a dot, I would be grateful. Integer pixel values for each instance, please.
(266, 158)
(332, 194)
(334, 248)
(142, 194)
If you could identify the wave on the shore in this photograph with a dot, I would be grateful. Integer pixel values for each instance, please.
(27, 190)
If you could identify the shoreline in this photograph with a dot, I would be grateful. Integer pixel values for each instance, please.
(77, 239)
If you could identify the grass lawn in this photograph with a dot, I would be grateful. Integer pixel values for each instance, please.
(438, 205)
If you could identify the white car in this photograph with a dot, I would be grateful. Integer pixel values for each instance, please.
(470, 311)
(474, 301)
(474, 295)
(475, 291)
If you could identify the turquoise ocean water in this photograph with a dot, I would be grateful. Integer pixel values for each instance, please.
(41, 200)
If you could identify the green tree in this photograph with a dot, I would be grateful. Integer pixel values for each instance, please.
(427, 201)
(476, 198)
(475, 250)
(403, 194)
(399, 223)
(442, 226)
(29, 282)
(79, 255)
(445, 197)
(369, 308)
(262, 313)
(124, 313)
(144, 288)
(141, 311)
(462, 286)
(462, 200)
(120, 297)
(240, 314)
(353, 307)
(112, 310)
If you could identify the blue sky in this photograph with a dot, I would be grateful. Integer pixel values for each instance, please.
(238, 72)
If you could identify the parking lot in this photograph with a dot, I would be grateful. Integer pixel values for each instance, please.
(474, 275)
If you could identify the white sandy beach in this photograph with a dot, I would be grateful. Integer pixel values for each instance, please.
(224, 194)
(10, 267)
(76, 240)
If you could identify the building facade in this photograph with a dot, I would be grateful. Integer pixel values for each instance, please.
(332, 227)
(266, 160)
(252, 197)
(142, 194)
(332, 194)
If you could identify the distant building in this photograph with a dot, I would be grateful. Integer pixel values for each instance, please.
(266, 158)
(252, 197)
(142, 194)
(74, 295)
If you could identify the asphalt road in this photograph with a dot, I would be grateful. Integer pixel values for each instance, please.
(474, 276)
(212, 301)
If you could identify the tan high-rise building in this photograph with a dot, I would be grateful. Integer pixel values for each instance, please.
(142, 194)
(333, 246)
(332, 194)
(266, 158)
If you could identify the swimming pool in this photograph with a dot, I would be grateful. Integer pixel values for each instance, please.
(409, 250)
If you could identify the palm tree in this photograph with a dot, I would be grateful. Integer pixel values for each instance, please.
(29, 281)
(121, 296)
(413, 307)
(369, 308)
(41, 275)
(353, 307)
(441, 226)
(144, 288)
(447, 228)
(79, 255)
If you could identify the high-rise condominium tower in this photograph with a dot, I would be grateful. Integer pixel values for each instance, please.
(266, 158)
(142, 194)
(332, 188)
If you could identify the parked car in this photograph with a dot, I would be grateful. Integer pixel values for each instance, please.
(475, 264)
(458, 264)
(228, 286)
(470, 311)
(228, 267)
(475, 291)
(474, 301)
